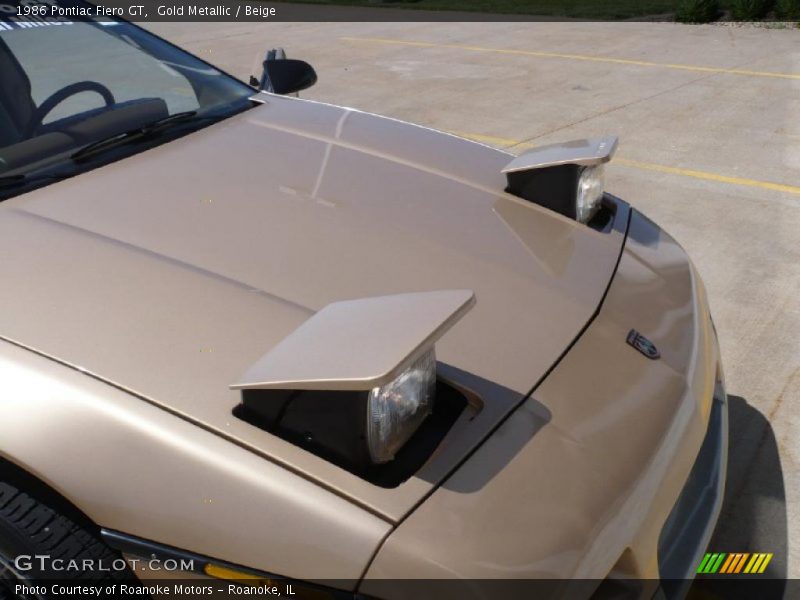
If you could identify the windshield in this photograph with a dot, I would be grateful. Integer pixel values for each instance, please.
(65, 85)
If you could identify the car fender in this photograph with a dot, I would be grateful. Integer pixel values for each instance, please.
(134, 467)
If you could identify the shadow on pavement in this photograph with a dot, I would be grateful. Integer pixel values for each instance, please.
(753, 517)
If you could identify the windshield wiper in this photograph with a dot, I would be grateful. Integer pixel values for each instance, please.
(23, 180)
(145, 131)
(11, 185)
(14, 181)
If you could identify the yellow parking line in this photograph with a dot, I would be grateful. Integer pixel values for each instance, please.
(584, 57)
(766, 185)
(493, 140)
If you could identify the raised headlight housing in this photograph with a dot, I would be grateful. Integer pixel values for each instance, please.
(357, 385)
(566, 178)
(383, 435)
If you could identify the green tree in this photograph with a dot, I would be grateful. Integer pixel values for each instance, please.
(788, 9)
(751, 10)
(696, 11)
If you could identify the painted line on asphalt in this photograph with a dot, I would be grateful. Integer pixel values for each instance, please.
(583, 57)
(493, 140)
(766, 185)
(636, 164)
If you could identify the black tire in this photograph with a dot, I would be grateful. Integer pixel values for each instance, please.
(29, 528)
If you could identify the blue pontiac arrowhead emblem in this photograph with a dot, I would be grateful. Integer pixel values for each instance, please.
(643, 345)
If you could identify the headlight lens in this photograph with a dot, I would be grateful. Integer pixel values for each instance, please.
(590, 192)
(396, 410)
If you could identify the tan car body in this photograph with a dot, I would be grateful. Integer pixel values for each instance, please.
(136, 294)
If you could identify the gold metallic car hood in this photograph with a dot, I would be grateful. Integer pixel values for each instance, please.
(171, 271)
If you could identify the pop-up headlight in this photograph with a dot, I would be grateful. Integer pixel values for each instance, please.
(357, 380)
(396, 410)
(590, 192)
(566, 178)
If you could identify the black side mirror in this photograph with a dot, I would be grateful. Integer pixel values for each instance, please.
(287, 76)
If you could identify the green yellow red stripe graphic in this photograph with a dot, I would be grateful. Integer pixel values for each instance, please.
(734, 562)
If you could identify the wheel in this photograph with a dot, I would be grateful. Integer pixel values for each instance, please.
(29, 528)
